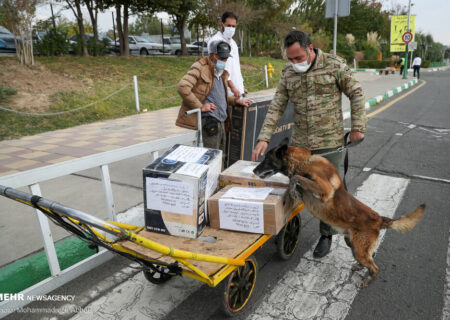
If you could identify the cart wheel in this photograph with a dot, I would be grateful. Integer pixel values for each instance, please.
(158, 275)
(238, 287)
(289, 238)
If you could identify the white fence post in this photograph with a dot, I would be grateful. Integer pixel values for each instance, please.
(136, 93)
(354, 63)
(107, 189)
(46, 233)
(267, 77)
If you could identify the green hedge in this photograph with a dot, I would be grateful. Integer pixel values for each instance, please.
(374, 64)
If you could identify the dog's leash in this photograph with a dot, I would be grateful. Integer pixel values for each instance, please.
(347, 144)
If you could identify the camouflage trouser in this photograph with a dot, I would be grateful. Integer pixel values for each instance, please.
(335, 159)
(217, 141)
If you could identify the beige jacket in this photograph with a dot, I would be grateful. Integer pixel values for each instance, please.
(195, 87)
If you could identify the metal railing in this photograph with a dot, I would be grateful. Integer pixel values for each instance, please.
(32, 178)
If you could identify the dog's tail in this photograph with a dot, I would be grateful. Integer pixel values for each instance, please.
(405, 223)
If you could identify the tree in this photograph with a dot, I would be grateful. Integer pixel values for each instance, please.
(19, 15)
(122, 13)
(75, 6)
(180, 11)
(92, 6)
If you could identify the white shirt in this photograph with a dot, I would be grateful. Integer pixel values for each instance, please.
(233, 65)
(417, 61)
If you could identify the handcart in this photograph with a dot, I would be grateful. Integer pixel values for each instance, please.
(227, 260)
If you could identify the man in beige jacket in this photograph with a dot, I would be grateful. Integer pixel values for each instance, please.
(205, 87)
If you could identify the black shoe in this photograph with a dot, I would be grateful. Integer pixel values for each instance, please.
(323, 247)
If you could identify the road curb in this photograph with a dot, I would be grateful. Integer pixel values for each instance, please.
(390, 93)
(28, 271)
(373, 101)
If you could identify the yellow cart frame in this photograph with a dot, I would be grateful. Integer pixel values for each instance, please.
(90, 228)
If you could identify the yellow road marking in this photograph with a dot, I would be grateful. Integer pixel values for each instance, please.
(394, 101)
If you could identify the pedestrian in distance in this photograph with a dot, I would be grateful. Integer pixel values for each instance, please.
(233, 66)
(402, 65)
(314, 82)
(204, 87)
(416, 66)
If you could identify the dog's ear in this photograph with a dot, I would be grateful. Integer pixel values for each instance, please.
(281, 150)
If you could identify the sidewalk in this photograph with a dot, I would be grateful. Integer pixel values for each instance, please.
(52, 147)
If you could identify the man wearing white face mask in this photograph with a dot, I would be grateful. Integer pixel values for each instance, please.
(205, 87)
(233, 66)
(314, 82)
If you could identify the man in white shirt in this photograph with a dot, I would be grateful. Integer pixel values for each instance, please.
(233, 65)
(416, 65)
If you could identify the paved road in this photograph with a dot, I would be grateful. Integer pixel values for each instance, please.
(402, 163)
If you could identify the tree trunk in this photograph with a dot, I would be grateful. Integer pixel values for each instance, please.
(249, 45)
(257, 43)
(79, 16)
(180, 22)
(93, 13)
(126, 46)
(119, 28)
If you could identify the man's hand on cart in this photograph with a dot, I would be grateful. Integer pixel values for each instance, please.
(244, 102)
(259, 150)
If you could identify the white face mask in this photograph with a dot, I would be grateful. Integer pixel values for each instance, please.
(228, 32)
(301, 67)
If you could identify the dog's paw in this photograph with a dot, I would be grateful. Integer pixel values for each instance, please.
(294, 184)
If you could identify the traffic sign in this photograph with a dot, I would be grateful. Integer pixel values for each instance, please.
(412, 46)
(407, 37)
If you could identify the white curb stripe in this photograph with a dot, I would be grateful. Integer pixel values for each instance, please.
(326, 288)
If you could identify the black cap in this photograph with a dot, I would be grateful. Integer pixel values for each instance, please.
(221, 48)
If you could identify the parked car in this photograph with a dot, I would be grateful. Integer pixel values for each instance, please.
(175, 46)
(110, 47)
(7, 43)
(144, 46)
(200, 44)
(156, 43)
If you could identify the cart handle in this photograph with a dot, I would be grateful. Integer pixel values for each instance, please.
(56, 208)
(199, 125)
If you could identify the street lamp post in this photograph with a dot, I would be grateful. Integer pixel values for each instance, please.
(405, 65)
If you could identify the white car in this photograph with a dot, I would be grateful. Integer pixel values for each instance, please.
(175, 46)
(198, 44)
(144, 46)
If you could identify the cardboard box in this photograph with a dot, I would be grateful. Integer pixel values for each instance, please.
(241, 173)
(247, 123)
(241, 213)
(176, 187)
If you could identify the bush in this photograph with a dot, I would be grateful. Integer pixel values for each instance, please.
(6, 92)
(53, 43)
(96, 49)
(344, 50)
(425, 63)
(370, 51)
(374, 64)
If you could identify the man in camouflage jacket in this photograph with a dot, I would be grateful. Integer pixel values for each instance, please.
(313, 81)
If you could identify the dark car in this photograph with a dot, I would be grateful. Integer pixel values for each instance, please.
(200, 44)
(109, 43)
(7, 43)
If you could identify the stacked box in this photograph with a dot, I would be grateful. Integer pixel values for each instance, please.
(249, 209)
(176, 187)
(241, 173)
(247, 123)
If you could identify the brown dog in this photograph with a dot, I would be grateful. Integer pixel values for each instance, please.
(315, 181)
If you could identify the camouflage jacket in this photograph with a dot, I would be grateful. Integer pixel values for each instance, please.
(316, 95)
